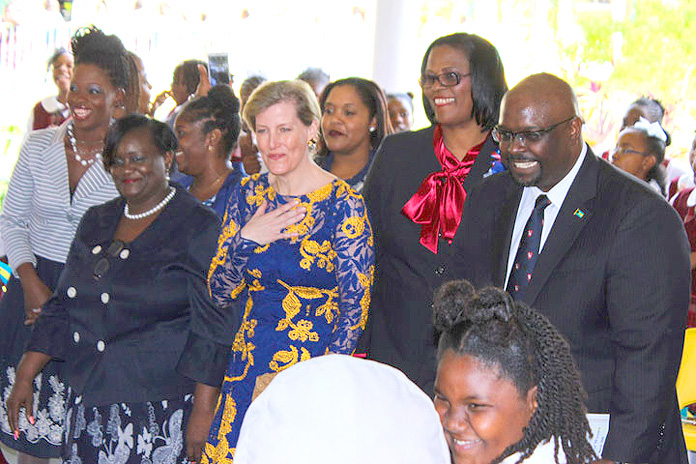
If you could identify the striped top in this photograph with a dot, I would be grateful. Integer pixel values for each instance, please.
(38, 215)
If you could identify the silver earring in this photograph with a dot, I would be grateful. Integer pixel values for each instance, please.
(372, 129)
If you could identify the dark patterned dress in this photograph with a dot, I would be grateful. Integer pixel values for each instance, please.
(305, 296)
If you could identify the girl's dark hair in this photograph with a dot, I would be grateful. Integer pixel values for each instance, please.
(405, 96)
(373, 97)
(56, 54)
(91, 46)
(656, 148)
(218, 110)
(188, 70)
(162, 136)
(528, 350)
(488, 83)
(249, 85)
(133, 88)
(654, 111)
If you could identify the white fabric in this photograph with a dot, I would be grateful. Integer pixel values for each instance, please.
(341, 410)
(544, 453)
(556, 195)
(39, 217)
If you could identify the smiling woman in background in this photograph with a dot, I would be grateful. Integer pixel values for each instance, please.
(52, 111)
(354, 121)
(208, 128)
(415, 193)
(58, 176)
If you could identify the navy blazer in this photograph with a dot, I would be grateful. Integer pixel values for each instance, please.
(122, 335)
(400, 329)
(614, 278)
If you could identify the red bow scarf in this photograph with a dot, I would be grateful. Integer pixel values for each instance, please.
(438, 203)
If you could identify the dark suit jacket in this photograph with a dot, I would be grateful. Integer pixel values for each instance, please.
(400, 330)
(121, 336)
(614, 278)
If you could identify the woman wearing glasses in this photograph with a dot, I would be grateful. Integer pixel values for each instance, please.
(415, 192)
(127, 316)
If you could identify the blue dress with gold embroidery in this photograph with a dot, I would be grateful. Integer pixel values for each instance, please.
(305, 296)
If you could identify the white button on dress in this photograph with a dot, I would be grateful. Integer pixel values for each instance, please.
(124, 253)
(105, 298)
(76, 337)
(72, 292)
(96, 250)
(100, 346)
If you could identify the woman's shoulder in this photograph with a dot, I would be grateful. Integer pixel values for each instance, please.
(344, 194)
(250, 182)
(410, 140)
(43, 138)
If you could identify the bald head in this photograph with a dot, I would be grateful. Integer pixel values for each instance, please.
(546, 93)
(542, 112)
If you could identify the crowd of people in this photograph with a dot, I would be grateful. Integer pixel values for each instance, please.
(178, 283)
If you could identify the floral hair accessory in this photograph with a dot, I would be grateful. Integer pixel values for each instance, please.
(653, 129)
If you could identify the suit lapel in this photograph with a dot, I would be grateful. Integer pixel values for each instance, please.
(576, 211)
(502, 233)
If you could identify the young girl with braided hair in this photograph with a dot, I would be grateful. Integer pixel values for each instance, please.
(507, 389)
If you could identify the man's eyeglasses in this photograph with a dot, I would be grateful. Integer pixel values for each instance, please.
(446, 79)
(525, 137)
(103, 265)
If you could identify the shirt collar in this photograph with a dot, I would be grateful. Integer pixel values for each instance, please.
(558, 192)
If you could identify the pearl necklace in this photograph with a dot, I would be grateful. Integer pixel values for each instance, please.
(73, 145)
(152, 211)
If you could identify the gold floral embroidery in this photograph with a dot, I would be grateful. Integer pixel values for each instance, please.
(305, 225)
(366, 282)
(353, 226)
(221, 255)
(261, 249)
(303, 331)
(323, 254)
(288, 358)
(330, 308)
(260, 194)
(218, 454)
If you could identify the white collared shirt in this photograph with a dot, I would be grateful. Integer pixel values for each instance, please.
(556, 195)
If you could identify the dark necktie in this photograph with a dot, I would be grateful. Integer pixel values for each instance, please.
(528, 252)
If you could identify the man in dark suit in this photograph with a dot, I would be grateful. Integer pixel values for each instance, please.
(610, 266)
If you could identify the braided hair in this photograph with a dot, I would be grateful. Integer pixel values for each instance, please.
(528, 350)
(218, 110)
(91, 46)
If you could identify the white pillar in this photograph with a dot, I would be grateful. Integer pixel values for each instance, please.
(397, 58)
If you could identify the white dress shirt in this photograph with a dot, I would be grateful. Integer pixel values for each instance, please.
(556, 195)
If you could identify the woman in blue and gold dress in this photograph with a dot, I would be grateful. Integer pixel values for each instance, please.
(297, 246)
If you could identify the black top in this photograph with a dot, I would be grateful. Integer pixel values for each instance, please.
(122, 335)
(400, 330)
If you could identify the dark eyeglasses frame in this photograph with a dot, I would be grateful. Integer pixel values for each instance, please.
(628, 151)
(428, 80)
(103, 264)
(528, 136)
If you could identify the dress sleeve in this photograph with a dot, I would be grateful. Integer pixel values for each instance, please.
(226, 275)
(355, 255)
(16, 210)
(51, 331)
(212, 327)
